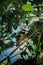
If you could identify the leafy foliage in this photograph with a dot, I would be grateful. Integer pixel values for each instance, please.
(16, 15)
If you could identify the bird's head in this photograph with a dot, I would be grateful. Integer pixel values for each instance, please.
(23, 31)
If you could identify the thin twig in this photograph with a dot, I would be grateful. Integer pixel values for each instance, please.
(38, 45)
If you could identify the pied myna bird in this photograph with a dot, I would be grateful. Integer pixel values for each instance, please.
(21, 36)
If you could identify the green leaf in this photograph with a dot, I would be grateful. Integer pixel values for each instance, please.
(0, 49)
(0, 26)
(27, 7)
(6, 41)
(2, 64)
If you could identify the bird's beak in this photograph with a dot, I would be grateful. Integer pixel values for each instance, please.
(26, 32)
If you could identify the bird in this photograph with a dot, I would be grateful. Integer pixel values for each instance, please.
(21, 36)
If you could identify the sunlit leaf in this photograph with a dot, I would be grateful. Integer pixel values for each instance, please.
(2, 64)
(6, 41)
(27, 7)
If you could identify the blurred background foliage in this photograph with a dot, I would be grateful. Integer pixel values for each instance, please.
(14, 13)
